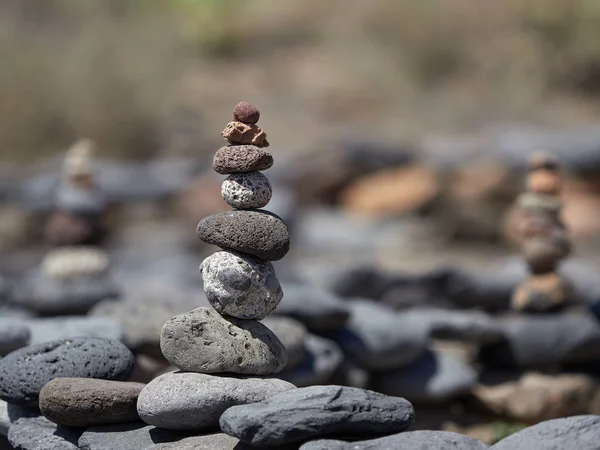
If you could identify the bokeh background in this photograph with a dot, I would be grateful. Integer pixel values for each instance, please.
(400, 129)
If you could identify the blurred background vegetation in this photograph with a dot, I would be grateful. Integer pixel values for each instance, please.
(148, 77)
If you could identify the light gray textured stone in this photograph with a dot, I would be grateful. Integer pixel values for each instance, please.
(203, 341)
(38, 433)
(10, 413)
(246, 190)
(14, 334)
(131, 436)
(240, 285)
(54, 328)
(292, 335)
(195, 401)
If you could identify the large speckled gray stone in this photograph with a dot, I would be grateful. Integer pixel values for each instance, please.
(378, 338)
(321, 359)
(311, 412)
(240, 285)
(410, 440)
(195, 401)
(14, 334)
(433, 378)
(53, 328)
(241, 158)
(246, 190)
(24, 372)
(38, 433)
(576, 432)
(81, 402)
(131, 436)
(292, 335)
(257, 232)
(203, 341)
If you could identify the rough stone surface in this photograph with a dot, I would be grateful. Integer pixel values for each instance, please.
(240, 286)
(24, 372)
(81, 402)
(433, 378)
(238, 133)
(14, 334)
(545, 339)
(54, 328)
(133, 436)
(51, 296)
(203, 341)
(379, 338)
(258, 233)
(316, 308)
(246, 190)
(321, 359)
(578, 432)
(292, 335)
(535, 397)
(246, 113)
(218, 441)
(10, 413)
(241, 158)
(316, 411)
(195, 401)
(410, 440)
(38, 433)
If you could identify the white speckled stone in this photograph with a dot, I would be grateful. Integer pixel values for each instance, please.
(246, 190)
(240, 285)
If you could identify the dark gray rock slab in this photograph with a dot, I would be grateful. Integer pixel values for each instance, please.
(538, 340)
(10, 413)
(256, 232)
(576, 432)
(433, 378)
(38, 433)
(378, 338)
(217, 441)
(133, 436)
(54, 328)
(317, 411)
(316, 308)
(14, 334)
(410, 440)
(24, 372)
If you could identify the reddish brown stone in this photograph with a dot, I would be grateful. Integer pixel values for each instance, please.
(238, 133)
(246, 113)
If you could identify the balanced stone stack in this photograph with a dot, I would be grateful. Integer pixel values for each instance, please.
(224, 353)
(544, 240)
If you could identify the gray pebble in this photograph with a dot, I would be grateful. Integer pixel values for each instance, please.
(203, 341)
(240, 285)
(246, 190)
(195, 401)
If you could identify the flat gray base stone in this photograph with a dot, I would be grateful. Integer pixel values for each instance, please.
(204, 341)
(317, 411)
(132, 436)
(38, 433)
(411, 440)
(217, 441)
(195, 401)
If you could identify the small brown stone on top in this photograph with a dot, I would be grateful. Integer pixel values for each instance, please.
(246, 113)
(238, 133)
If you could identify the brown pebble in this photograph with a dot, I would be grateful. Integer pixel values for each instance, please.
(238, 133)
(543, 293)
(241, 158)
(544, 181)
(246, 113)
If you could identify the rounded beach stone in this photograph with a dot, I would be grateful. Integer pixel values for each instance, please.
(68, 262)
(241, 158)
(246, 113)
(203, 341)
(195, 401)
(238, 133)
(240, 286)
(246, 190)
(81, 402)
(301, 414)
(258, 233)
(292, 335)
(24, 372)
(548, 292)
(14, 334)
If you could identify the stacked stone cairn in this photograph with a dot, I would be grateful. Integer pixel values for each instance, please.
(544, 241)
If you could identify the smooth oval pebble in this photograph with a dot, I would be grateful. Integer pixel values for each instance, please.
(241, 158)
(195, 401)
(24, 372)
(311, 412)
(240, 286)
(258, 233)
(81, 402)
(204, 341)
(246, 190)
